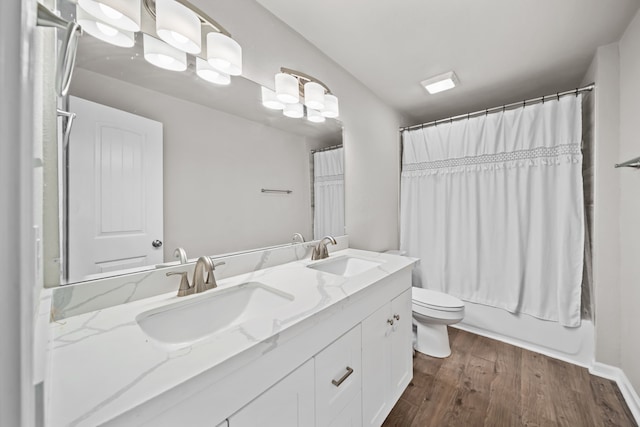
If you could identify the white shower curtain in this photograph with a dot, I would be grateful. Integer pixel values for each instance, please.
(328, 189)
(493, 207)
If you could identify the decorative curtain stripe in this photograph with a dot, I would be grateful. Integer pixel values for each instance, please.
(548, 153)
(328, 178)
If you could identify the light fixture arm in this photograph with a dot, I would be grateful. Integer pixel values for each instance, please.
(303, 77)
(150, 6)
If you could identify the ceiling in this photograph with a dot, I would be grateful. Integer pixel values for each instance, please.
(501, 50)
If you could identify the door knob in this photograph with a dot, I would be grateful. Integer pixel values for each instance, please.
(156, 243)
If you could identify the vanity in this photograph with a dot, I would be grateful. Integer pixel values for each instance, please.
(304, 343)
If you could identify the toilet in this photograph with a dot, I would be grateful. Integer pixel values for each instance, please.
(432, 312)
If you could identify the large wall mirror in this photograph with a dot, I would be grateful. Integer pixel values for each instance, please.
(160, 159)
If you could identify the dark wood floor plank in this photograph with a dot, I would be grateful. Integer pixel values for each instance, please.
(401, 415)
(572, 408)
(535, 392)
(608, 403)
(487, 383)
(472, 397)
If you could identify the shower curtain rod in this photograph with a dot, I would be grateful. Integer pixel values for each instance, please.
(576, 91)
(333, 147)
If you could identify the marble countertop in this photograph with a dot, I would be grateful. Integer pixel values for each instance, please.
(102, 364)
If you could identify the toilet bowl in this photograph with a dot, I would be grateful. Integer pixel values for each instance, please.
(432, 312)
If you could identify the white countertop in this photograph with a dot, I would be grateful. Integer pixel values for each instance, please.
(102, 364)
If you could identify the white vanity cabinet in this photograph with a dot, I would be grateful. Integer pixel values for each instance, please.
(387, 365)
(339, 379)
(289, 403)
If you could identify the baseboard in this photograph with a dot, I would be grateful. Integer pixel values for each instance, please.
(628, 392)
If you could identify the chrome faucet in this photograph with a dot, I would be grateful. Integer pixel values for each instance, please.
(200, 284)
(320, 251)
(181, 254)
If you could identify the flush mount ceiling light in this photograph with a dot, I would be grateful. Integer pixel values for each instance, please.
(103, 30)
(440, 83)
(293, 85)
(120, 14)
(162, 55)
(205, 71)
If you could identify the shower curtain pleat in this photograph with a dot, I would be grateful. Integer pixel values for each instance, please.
(493, 207)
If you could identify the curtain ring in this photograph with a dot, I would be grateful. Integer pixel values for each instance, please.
(468, 116)
(504, 109)
(576, 92)
(558, 95)
(486, 112)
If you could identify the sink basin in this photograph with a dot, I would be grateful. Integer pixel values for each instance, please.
(211, 312)
(345, 266)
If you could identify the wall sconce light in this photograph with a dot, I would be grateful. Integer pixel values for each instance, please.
(291, 86)
(178, 26)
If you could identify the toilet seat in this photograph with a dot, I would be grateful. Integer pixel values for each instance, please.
(434, 300)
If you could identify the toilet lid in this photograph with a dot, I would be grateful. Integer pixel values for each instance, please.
(435, 300)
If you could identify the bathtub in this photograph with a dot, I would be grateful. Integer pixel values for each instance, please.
(574, 345)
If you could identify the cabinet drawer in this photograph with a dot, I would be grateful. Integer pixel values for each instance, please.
(338, 376)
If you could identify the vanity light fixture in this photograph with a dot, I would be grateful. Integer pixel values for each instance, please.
(269, 99)
(331, 108)
(162, 55)
(295, 111)
(178, 25)
(103, 30)
(287, 89)
(224, 53)
(292, 87)
(314, 95)
(315, 116)
(205, 71)
(440, 83)
(120, 14)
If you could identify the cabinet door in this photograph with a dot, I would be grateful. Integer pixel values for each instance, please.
(338, 376)
(376, 362)
(351, 415)
(401, 343)
(289, 403)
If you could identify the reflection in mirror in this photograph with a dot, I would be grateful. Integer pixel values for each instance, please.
(159, 160)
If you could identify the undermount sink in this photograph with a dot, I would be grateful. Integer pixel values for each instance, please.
(345, 266)
(211, 312)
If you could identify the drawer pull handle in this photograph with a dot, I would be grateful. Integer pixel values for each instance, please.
(344, 377)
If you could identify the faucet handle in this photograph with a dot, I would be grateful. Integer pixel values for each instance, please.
(185, 288)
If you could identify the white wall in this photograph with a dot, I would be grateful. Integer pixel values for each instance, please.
(17, 245)
(371, 134)
(215, 165)
(604, 72)
(615, 69)
(629, 181)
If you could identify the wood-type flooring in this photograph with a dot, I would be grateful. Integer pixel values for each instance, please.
(488, 383)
